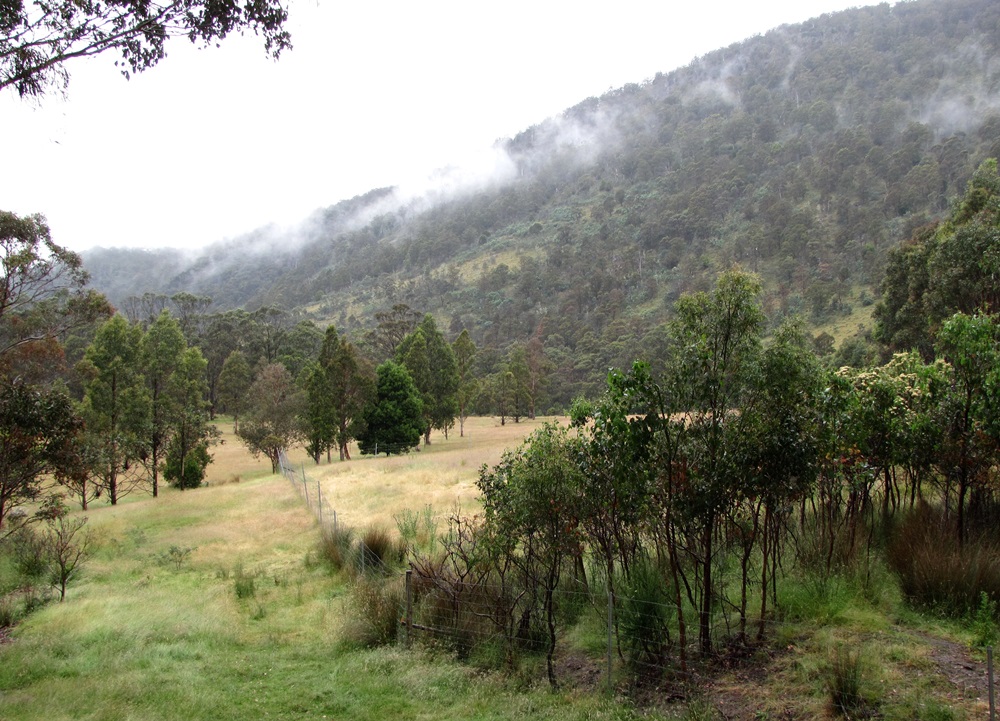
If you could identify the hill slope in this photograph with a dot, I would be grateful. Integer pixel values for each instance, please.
(802, 154)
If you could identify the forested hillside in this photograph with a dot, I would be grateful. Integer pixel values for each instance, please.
(803, 155)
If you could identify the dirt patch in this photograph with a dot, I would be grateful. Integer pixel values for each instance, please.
(578, 671)
(966, 674)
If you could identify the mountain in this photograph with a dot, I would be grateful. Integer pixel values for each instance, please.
(803, 154)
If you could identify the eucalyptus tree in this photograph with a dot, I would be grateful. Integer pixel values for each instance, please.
(116, 406)
(43, 295)
(233, 385)
(187, 454)
(271, 423)
(530, 502)
(717, 338)
(318, 421)
(468, 385)
(351, 382)
(162, 348)
(39, 438)
(431, 363)
(969, 412)
(33, 58)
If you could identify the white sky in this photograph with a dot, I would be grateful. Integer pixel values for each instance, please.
(213, 143)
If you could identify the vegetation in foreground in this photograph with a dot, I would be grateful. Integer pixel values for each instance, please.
(219, 603)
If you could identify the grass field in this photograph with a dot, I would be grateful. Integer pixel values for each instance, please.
(212, 604)
(155, 630)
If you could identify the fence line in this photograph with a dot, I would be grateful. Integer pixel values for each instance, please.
(473, 614)
(318, 503)
(476, 615)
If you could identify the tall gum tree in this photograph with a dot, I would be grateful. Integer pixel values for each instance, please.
(115, 406)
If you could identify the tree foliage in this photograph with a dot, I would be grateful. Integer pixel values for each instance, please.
(394, 418)
(116, 407)
(431, 363)
(43, 295)
(272, 420)
(39, 436)
(39, 37)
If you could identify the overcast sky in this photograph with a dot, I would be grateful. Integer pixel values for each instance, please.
(213, 143)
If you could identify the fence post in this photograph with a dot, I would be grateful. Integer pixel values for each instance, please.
(319, 501)
(334, 523)
(989, 671)
(409, 605)
(305, 486)
(611, 620)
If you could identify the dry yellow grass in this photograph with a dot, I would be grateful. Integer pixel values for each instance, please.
(370, 491)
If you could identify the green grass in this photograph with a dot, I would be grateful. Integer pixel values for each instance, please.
(143, 638)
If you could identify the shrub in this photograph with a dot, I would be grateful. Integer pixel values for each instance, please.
(175, 555)
(644, 619)
(30, 559)
(377, 552)
(984, 623)
(7, 614)
(377, 603)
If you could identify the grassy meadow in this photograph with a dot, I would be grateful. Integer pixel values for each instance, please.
(210, 604)
(213, 604)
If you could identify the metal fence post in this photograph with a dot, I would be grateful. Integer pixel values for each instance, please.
(319, 501)
(409, 605)
(989, 671)
(611, 619)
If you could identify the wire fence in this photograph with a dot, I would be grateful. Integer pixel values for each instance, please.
(642, 640)
(365, 555)
(640, 637)
(311, 491)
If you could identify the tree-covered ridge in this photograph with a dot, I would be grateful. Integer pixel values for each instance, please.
(803, 154)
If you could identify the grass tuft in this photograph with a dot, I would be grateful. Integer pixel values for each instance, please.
(845, 683)
(935, 572)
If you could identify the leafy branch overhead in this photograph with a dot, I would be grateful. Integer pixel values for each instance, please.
(39, 37)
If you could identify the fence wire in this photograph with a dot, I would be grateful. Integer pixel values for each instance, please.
(643, 636)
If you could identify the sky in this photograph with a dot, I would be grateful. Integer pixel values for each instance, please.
(212, 143)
